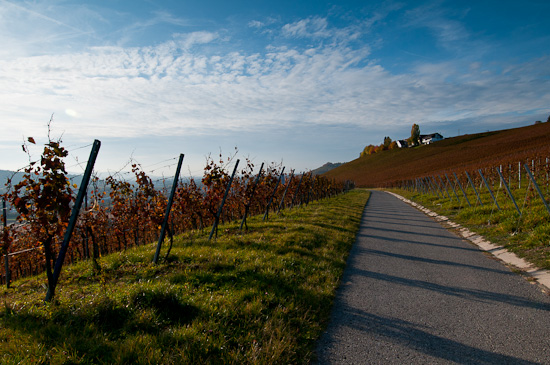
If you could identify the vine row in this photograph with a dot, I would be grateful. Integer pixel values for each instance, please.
(118, 214)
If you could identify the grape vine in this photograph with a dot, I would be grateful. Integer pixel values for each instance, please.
(120, 214)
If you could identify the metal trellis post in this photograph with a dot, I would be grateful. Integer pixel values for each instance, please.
(452, 187)
(438, 189)
(508, 190)
(444, 186)
(473, 186)
(463, 192)
(168, 208)
(489, 188)
(220, 209)
(247, 206)
(281, 205)
(296, 191)
(537, 187)
(72, 220)
(266, 215)
(7, 257)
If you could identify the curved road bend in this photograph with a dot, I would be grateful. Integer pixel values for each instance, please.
(415, 293)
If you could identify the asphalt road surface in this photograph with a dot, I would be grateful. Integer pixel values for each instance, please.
(415, 293)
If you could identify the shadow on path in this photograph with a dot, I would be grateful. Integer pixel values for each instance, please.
(416, 337)
(406, 268)
(469, 294)
(430, 261)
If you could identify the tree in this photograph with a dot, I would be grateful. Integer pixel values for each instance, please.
(387, 142)
(414, 139)
(548, 120)
(368, 150)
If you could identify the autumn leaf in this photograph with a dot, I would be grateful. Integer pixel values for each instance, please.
(31, 140)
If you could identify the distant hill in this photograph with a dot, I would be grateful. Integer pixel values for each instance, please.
(326, 168)
(457, 153)
(18, 176)
(5, 175)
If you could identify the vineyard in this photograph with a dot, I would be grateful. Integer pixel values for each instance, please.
(466, 152)
(507, 202)
(118, 213)
(502, 183)
(495, 183)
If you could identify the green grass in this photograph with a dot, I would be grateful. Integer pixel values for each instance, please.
(527, 235)
(259, 298)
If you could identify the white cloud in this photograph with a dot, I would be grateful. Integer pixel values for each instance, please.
(177, 89)
(314, 27)
(167, 17)
(28, 29)
(186, 41)
(255, 24)
(72, 113)
(449, 32)
(161, 91)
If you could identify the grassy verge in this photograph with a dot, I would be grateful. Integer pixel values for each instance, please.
(526, 234)
(262, 297)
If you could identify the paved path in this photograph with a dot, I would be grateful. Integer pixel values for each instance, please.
(415, 293)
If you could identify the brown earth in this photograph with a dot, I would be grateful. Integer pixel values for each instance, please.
(466, 152)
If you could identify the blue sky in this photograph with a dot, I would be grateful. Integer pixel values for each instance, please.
(297, 82)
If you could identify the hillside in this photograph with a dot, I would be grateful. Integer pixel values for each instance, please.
(326, 168)
(457, 153)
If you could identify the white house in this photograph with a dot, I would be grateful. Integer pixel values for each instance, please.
(430, 138)
(402, 143)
